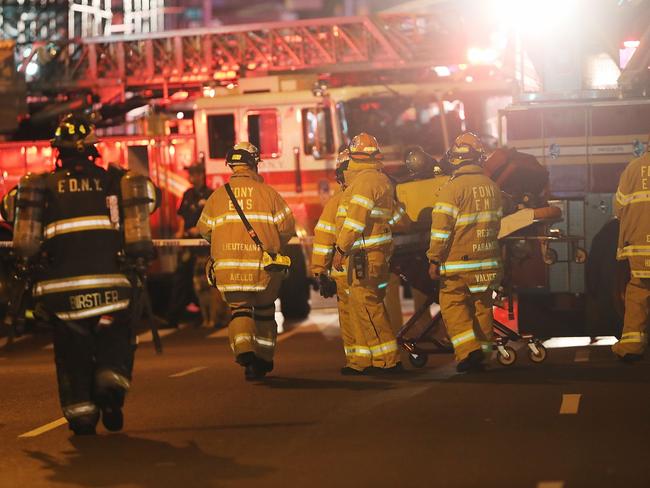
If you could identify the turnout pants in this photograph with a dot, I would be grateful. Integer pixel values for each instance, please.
(356, 350)
(90, 355)
(252, 326)
(637, 312)
(468, 316)
(368, 314)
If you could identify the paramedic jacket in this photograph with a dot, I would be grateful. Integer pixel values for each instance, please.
(82, 276)
(464, 229)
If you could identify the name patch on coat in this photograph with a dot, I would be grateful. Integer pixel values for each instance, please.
(92, 300)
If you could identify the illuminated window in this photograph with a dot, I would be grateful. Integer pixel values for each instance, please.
(317, 132)
(263, 132)
(221, 134)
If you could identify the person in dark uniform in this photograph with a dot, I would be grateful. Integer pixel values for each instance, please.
(81, 289)
(189, 212)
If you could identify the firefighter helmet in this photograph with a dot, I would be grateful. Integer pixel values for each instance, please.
(417, 161)
(342, 162)
(243, 154)
(77, 134)
(364, 147)
(466, 149)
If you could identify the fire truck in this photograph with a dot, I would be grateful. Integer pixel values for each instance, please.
(585, 144)
(205, 89)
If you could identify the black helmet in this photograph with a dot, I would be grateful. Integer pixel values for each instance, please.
(417, 161)
(75, 135)
(243, 154)
(342, 162)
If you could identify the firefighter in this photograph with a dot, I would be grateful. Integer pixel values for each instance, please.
(464, 252)
(364, 243)
(238, 260)
(189, 212)
(321, 265)
(632, 207)
(82, 290)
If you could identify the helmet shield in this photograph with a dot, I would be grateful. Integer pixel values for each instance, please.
(243, 154)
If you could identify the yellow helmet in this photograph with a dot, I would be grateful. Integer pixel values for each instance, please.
(466, 149)
(364, 147)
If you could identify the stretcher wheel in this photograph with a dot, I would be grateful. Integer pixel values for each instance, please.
(418, 360)
(509, 358)
(550, 256)
(540, 357)
(580, 255)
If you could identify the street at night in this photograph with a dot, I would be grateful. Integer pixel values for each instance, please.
(577, 420)
(324, 243)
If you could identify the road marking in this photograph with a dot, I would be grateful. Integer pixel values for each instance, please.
(5, 340)
(148, 336)
(188, 372)
(297, 330)
(45, 428)
(220, 333)
(582, 356)
(550, 484)
(570, 403)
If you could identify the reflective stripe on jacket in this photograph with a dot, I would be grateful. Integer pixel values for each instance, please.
(82, 278)
(325, 236)
(464, 228)
(237, 259)
(632, 207)
(365, 209)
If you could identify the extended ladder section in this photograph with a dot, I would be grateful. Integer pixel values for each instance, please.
(200, 56)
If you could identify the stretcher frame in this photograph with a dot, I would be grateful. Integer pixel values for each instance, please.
(506, 355)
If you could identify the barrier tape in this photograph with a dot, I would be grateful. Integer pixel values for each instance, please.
(182, 242)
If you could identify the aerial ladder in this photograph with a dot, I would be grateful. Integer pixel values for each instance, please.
(159, 62)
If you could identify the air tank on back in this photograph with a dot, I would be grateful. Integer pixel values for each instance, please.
(138, 202)
(28, 223)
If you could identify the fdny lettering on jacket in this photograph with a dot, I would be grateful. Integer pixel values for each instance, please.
(244, 195)
(75, 185)
(645, 174)
(92, 300)
(484, 197)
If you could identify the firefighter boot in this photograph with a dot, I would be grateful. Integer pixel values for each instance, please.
(82, 418)
(473, 363)
(110, 390)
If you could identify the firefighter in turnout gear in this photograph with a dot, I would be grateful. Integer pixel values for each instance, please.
(464, 252)
(321, 265)
(632, 207)
(239, 271)
(364, 244)
(81, 289)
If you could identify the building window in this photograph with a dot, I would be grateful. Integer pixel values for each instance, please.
(263, 132)
(317, 131)
(221, 134)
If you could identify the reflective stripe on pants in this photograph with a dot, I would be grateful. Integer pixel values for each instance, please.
(255, 333)
(467, 316)
(368, 313)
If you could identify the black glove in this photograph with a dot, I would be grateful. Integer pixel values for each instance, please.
(327, 286)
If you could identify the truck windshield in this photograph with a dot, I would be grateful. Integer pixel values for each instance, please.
(400, 121)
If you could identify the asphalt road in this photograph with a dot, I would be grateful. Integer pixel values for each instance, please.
(578, 420)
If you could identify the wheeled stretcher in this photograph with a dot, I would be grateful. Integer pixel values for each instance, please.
(410, 263)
